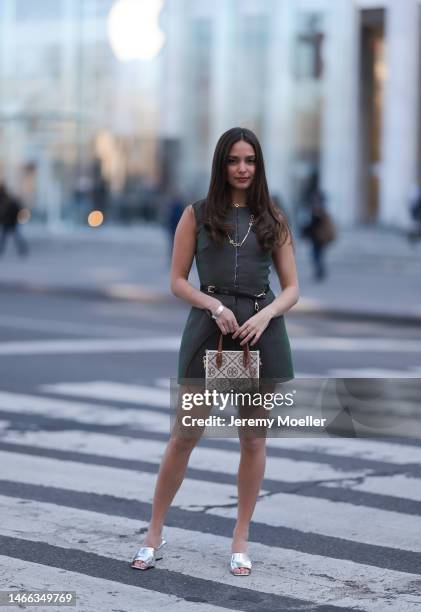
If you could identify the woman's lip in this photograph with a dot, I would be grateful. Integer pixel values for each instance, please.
(243, 180)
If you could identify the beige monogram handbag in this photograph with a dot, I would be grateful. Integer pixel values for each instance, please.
(232, 370)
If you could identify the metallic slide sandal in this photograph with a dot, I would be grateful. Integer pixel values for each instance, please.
(240, 560)
(148, 554)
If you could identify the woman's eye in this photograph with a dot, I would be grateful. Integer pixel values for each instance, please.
(249, 161)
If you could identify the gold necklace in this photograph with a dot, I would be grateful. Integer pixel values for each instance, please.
(239, 205)
(238, 244)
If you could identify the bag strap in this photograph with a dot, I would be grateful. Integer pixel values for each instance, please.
(246, 354)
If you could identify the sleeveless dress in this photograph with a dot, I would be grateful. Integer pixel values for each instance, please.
(244, 268)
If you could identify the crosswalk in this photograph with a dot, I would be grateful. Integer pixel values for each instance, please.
(336, 527)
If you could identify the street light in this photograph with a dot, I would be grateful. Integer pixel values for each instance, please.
(133, 29)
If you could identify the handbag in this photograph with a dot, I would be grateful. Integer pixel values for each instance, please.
(325, 232)
(232, 370)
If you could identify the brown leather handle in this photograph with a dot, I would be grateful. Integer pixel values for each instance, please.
(246, 354)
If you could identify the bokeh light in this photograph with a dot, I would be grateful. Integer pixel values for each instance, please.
(95, 218)
(133, 29)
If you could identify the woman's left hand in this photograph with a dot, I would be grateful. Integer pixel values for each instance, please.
(253, 328)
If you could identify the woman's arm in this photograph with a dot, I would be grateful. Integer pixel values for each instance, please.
(284, 263)
(182, 259)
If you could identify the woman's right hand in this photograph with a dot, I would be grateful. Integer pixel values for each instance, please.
(226, 321)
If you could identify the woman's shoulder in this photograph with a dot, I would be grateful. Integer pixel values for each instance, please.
(198, 205)
(198, 208)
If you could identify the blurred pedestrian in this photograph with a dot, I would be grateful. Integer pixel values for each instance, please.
(415, 213)
(320, 231)
(10, 207)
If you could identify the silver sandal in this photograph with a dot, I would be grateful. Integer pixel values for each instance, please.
(240, 560)
(148, 554)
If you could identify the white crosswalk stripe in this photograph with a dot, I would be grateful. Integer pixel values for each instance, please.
(126, 345)
(110, 391)
(396, 485)
(308, 395)
(45, 522)
(126, 484)
(193, 551)
(350, 447)
(82, 412)
(222, 461)
(172, 343)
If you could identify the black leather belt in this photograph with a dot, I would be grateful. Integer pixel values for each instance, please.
(227, 291)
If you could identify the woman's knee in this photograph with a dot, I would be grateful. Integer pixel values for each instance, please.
(252, 443)
(183, 443)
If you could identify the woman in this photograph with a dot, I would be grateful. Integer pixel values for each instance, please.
(235, 234)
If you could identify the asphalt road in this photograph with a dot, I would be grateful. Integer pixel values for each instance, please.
(321, 346)
(83, 425)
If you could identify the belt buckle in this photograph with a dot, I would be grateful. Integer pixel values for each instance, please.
(256, 303)
(211, 289)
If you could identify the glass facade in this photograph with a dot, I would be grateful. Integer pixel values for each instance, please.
(81, 129)
(196, 111)
(307, 70)
(253, 49)
(78, 126)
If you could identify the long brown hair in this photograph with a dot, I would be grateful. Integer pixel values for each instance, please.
(270, 225)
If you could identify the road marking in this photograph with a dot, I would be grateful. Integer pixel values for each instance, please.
(345, 344)
(113, 391)
(172, 343)
(375, 450)
(82, 412)
(194, 495)
(320, 516)
(395, 485)
(93, 593)
(372, 450)
(65, 327)
(336, 582)
(410, 372)
(57, 347)
(223, 461)
(163, 382)
(312, 397)
(336, 519)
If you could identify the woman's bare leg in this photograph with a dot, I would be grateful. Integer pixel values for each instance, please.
(250, 475)
(171, 474)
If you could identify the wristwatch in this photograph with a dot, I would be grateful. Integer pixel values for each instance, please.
(218, 311)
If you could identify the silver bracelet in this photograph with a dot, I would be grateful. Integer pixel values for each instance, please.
(218, 311)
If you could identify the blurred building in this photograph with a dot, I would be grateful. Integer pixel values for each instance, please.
(78, 127)
(328, 85)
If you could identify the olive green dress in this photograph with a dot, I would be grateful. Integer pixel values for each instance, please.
(245, 268)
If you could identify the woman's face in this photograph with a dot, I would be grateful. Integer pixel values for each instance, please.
(241, 164)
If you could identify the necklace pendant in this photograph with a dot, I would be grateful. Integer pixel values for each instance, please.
(239, 244)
